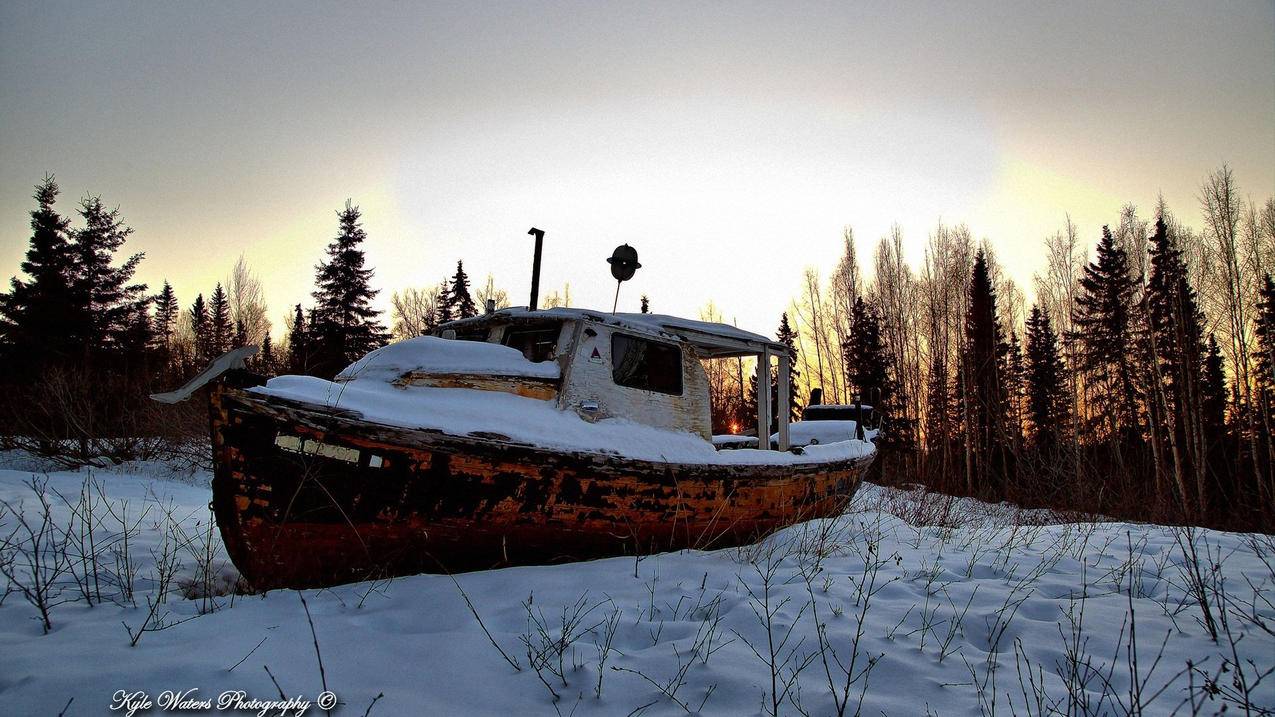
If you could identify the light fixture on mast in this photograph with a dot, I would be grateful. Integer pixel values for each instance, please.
(624, 262)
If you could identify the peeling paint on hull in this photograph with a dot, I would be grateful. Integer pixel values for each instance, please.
(305, 498)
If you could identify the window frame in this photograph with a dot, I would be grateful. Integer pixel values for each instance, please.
(649, 385)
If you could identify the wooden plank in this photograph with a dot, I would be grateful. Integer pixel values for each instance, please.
(784, 391)
(763, 399)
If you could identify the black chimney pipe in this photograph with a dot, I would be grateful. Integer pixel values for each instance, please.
(539, 234)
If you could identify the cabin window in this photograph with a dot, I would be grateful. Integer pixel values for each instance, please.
(537, 343)
(648, 365)
(472, 333)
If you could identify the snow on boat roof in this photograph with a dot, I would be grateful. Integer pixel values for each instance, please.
(471, 413)
(432, 355)
(711, 339)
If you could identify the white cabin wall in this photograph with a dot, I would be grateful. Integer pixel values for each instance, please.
(589, 379)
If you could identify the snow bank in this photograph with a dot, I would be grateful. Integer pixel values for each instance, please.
(430, 354)
(460, 411)
(954, 614)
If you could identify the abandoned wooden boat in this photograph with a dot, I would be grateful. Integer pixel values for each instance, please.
(515, 437)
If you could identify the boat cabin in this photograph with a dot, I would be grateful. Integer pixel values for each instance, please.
(642, 367)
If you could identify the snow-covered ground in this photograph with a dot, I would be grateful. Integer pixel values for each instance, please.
(934, 606)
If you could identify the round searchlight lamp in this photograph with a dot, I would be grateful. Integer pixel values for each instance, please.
(624, 262)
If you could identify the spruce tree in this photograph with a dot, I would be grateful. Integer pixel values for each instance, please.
(200, 330)
(219, 328)
(1104, 334)
(166, 313)
(36, 317)
(1174, 340)
(164, 326)
(298, 344)
(460, 301)
(984, 389)
(443, 307)
(939, 407)
(867, 359)
(788, 337)
(266, 362)
(344, 326)
(105, 298)
(1266, 339)
(1013, 371)
(1048, 409)
(1220, 448)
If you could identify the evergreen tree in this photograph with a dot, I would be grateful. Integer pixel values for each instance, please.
(461, 303)
(1104, 334)
(1213, 393)
(105, 300)
(788, 337)
(867, 359)
(137, 340)
(1220, 449)
(1266, 339)
(36, 319)
(219, 329)
(166, 313)
(985, 391)
(298, 344)
(1175, 341)
(164, 326)
(266, 362)
(344, 326)
(199, 328)
(1013, 371)
(1048, 409)
(646, 305)
(940, 414)
(443, 307)
(241, 335)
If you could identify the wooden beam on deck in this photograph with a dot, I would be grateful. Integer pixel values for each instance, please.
(785, 390)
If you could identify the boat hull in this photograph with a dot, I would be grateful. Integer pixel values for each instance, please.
(305, 497)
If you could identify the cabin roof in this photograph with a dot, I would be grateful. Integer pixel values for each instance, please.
(710, 339)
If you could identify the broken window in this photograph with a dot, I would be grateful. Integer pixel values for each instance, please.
(648, 365)
(537, 343)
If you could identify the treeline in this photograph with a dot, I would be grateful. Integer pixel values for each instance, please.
(84, 343)
(1139, 383)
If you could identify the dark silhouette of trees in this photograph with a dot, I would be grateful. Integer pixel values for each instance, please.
(460, 303)
(443, 307)
(788, 337)
(1048, 405)
(219, 336)
(299, 344)
(344, 326)
(1175, 343)
(166, 315)
(200, 330)
(867, 358)
(1103, 321)
(104, 299)
(37, 320)
(985, 403)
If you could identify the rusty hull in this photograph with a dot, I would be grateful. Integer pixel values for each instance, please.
(442, 502)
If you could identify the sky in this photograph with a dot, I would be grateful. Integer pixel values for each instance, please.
(729, 143)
